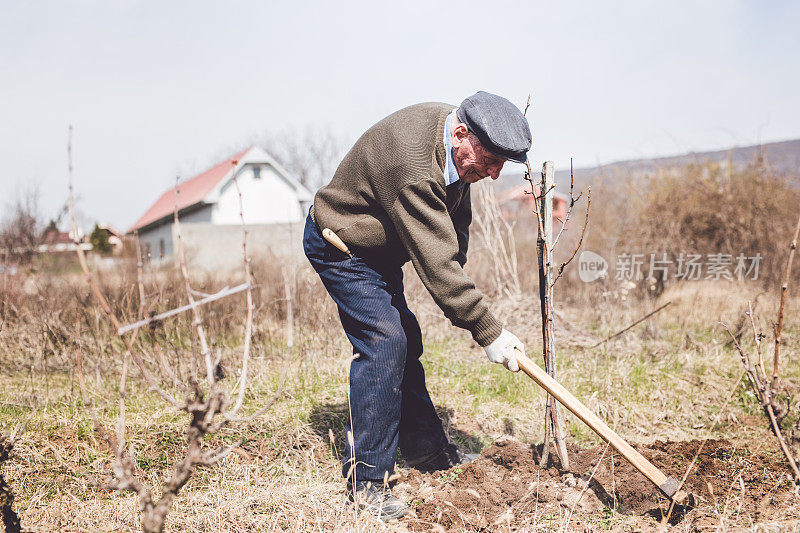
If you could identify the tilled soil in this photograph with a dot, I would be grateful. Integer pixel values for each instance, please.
(736, 483)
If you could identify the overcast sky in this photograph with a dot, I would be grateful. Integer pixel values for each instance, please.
(159, 88)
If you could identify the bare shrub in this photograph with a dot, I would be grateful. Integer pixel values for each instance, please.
(195, 388)
(709, 208)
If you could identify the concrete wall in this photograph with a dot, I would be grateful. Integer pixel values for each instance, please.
(213, 247)
(152, 239)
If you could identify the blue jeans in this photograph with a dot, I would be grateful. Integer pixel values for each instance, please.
(389, 403)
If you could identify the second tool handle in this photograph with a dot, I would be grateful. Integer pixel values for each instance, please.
(334, 239)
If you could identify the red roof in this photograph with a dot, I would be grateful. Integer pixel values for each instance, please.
(190, 192)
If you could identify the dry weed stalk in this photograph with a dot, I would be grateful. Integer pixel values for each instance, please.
(206, 400)
(628, 327)
(289, 275)
(494, 231)
(543, 209)
(586, 487)
(766, 390)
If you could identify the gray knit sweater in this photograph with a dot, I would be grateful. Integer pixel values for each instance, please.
(389, 195)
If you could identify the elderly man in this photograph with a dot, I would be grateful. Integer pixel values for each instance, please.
(403, 192)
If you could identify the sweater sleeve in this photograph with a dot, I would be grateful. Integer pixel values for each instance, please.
(420, 216)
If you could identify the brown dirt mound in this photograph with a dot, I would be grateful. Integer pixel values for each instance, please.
(506, 489)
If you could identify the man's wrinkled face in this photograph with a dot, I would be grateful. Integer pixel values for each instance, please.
(473, 161)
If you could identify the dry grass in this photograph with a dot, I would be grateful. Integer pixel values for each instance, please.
(671, 377)
(666, 379)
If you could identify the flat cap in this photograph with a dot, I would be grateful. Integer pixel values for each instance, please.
(498, 124)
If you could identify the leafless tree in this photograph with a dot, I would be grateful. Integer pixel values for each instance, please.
(311, 153)
(21, 227)
(543, 193)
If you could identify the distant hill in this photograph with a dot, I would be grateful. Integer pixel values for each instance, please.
(783, 156)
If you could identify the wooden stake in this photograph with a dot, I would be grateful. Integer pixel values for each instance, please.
(554, 428)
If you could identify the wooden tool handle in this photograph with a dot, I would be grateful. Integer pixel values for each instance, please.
(334, 239)
(668, 486)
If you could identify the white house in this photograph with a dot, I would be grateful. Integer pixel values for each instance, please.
(274, 206)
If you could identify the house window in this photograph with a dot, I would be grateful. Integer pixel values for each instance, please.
(161, 249)
(256, 173)
(146, 258)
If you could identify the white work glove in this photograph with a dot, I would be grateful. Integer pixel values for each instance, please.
(503, 350)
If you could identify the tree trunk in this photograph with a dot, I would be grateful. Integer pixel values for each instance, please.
(554, 428)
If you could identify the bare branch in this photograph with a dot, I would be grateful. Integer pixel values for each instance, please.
(782, 441)
(784, 291)
(265, 408)
(209, 458)
(580, 241)
(166, 366)
(620, 332)
(757, 336)
(529, 178)
(572, 201)
(226, 291)
(248, 328)
(748, 367)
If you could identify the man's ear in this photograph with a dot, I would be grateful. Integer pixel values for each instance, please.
(460, 133)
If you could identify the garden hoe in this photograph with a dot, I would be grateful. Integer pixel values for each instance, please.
(669, 487)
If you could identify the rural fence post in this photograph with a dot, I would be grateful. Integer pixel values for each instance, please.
(554, 428)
